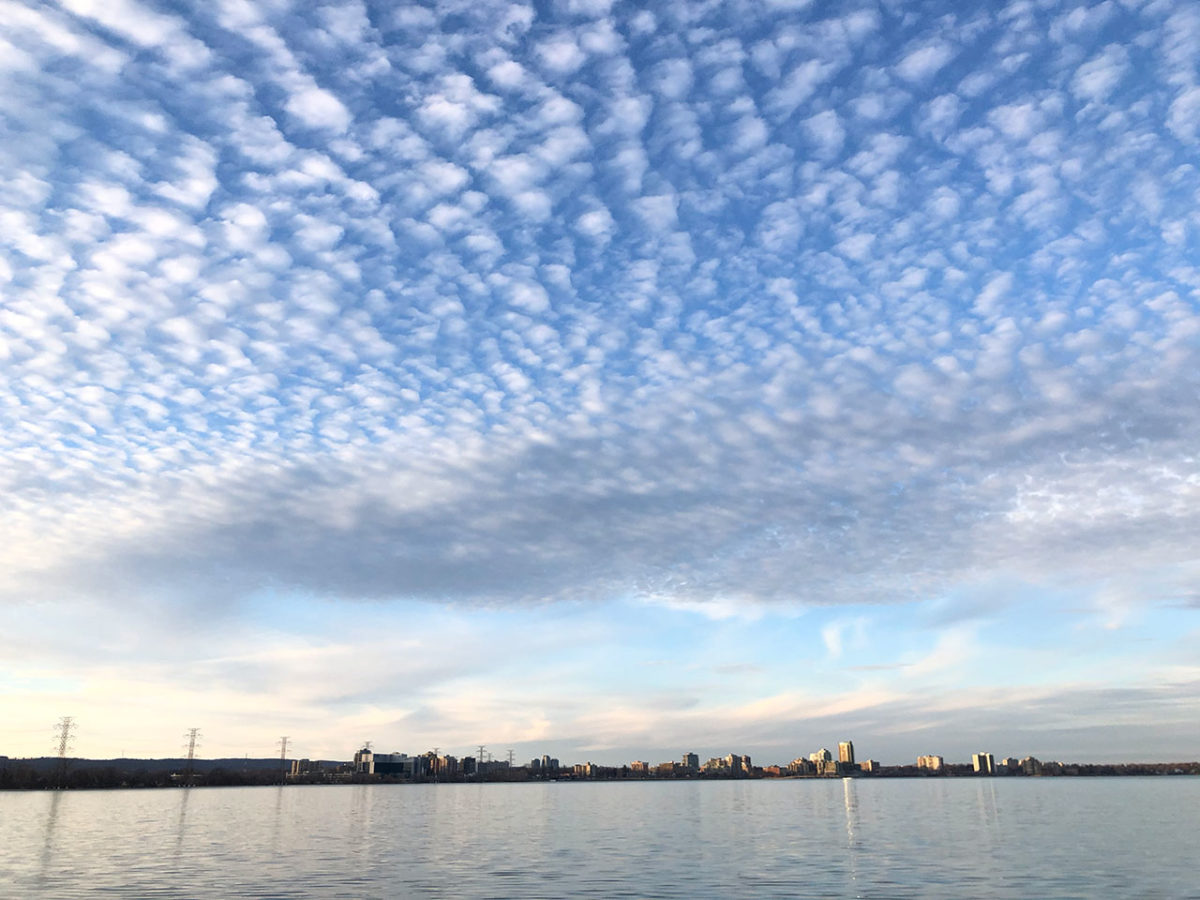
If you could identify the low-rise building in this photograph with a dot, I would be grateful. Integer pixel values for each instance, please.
(801, 766)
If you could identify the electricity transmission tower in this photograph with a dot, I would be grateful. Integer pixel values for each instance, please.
(192, 735)
(64, 728)
(283, 742)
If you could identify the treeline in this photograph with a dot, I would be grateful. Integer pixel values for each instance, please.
(20, 775)
(1176, 768)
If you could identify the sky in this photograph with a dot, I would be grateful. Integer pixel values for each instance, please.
(601, 379)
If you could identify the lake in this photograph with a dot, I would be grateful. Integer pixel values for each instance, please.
(871, 838)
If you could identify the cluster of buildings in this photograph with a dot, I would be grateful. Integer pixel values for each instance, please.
(432, 766)
(985, 764)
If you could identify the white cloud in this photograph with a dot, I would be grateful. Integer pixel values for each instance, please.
(921, 64)
(1096, 79)
(658, 212)
(826, 131)
(508, 74)
(561, 55)
(596, 223)
(531, 298)
(1184, 116)
(318, 108)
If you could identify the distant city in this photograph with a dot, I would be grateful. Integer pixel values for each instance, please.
(822, 763)
(432, 766)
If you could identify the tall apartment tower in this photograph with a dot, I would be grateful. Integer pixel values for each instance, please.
(691, 761)
(984, 763)
(846, 752)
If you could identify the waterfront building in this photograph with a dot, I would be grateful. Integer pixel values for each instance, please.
(930, 763)
(869, 765)
(364, 762)
(1031, 765)
(829, 767)
(846, 752)
(801, 766)
(821, 755)
(400, 764)
(983, 763)
(691, 761)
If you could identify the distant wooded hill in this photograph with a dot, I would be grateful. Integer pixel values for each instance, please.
(52, 772)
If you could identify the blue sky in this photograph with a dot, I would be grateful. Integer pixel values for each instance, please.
(601, 379)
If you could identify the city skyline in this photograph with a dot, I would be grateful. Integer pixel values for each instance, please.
(66, 731)
(601, 378)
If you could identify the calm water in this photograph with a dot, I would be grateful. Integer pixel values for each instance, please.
(932, 838)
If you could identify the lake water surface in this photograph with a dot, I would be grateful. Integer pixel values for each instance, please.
(871, 838)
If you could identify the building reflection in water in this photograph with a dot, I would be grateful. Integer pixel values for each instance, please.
(277, 821)
(48, 844)
(850, 800)
(850, 797)
(181, 824)
(985, 794)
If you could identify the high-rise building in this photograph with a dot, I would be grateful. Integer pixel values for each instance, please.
(821, 755)
(364, 762)
(691, 761)
(984, 763)
(931, 763)
(846, 752)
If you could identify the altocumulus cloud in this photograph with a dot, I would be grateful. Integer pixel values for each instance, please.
(487, 303)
